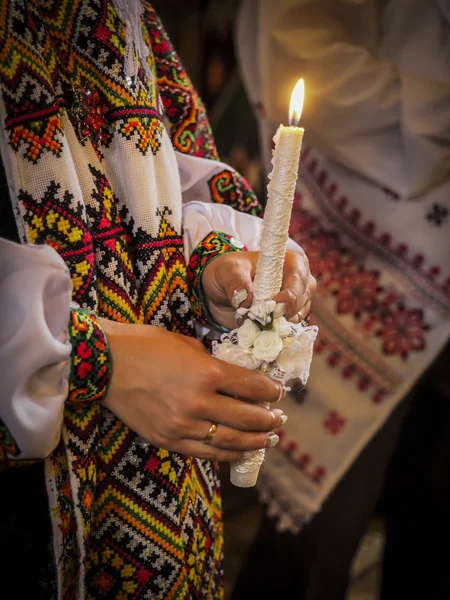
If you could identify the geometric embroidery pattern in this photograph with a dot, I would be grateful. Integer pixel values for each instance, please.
(50, 221)
(91, 362)
(150, 519)
(146, 130)
(229, 187)
(37, 136)
(190, 129)
(173, 556)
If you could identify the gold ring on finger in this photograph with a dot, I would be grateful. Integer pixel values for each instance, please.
(211, 433)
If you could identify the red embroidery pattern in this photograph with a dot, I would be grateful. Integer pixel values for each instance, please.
(190, 129)
(91, 362)
(229, 187)
(412, 266)
(357, 292)
(379, 312)
(334, 422)
(402, 331)
(301, 460)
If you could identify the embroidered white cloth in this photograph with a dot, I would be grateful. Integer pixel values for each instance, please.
(372, 213)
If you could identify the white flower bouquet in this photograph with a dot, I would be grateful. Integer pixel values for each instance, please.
(269, 343)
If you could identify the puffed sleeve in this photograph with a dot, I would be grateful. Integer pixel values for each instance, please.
(35, 297)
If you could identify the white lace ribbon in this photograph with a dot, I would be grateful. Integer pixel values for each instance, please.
(292, 362)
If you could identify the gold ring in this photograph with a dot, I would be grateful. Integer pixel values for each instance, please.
(211, 433)
(302, 320)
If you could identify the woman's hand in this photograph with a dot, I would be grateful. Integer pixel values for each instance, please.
(226, 275)
(168, 389)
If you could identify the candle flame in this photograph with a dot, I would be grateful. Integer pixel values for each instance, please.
(296, 105)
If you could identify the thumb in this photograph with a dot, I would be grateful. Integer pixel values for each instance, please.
(237, 281)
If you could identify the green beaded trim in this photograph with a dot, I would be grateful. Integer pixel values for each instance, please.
(213, 245)
(91, 360)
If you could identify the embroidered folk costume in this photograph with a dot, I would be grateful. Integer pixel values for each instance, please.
(108, 159)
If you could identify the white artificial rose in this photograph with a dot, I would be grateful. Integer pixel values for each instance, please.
(262, 311)
(236, 355)
(282, 326)
(267, 346)
(247, 333)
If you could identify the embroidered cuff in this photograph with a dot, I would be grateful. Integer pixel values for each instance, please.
(91, 361)
(8, 449)
(212, 246)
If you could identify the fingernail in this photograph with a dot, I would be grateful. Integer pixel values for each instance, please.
(284, 418)
(283, 391)
(237, 297)
(276, 414)
(279, 311)
(272, 440)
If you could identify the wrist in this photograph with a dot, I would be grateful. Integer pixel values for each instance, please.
(214, 245)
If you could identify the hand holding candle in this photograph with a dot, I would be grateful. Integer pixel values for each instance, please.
(280, 349)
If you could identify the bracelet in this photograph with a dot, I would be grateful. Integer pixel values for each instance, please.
(91, 360)
(212, 246)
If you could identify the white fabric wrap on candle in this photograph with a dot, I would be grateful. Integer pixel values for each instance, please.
(292, 362)
(281, 189)
(269, 271)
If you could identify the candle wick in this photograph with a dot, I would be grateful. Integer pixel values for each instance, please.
(294, 118)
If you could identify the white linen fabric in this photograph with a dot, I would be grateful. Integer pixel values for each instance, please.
(35, 294)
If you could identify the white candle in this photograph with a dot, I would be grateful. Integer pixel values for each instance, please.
(281, 189)
(269, 269)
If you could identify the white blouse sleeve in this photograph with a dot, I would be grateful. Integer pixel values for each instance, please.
(35, 296)
(200, 215)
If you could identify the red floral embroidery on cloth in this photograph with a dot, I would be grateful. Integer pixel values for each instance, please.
(374, 306)
(302, 460)
(91, 362)
(358, 292)
(334, 422)
(378, 311)
(423, 273)
(402, 331)
(382, 316)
